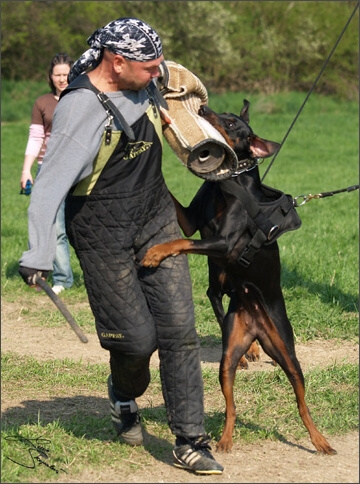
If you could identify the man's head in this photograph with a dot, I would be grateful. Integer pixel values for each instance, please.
(131, 74)
(130, 38)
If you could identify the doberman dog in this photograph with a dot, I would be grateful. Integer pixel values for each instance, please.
(256, 308)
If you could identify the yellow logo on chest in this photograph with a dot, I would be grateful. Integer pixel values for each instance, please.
(135, 149)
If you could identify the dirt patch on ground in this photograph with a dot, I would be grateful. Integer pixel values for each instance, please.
(269, 462)
(45, 343)
(265, 462)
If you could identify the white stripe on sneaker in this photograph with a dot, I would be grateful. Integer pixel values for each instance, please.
(190, 457)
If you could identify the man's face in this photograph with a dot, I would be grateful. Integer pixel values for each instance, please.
(138, 75)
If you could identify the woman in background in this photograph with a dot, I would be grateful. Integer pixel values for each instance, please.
(39, 133)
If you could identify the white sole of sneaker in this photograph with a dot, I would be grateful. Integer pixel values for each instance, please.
(207, 473)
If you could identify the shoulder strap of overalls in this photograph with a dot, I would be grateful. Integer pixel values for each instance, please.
(83, 81)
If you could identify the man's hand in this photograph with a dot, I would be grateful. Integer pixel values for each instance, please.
(30, 275)
(164, 116)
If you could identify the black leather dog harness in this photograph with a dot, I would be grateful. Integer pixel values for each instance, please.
(272, 218)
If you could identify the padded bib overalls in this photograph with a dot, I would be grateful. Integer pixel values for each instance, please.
(113, 216)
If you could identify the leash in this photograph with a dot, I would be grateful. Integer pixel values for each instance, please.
(307, 198)
(311, 90)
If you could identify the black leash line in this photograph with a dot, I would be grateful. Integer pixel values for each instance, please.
(311, 90)
(307, 198)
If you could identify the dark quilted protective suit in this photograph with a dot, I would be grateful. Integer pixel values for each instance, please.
(111, 222)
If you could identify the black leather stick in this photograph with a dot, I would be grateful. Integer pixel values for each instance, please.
(62, 308)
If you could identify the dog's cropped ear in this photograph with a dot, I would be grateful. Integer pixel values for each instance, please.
(262, 148)
(244, 113)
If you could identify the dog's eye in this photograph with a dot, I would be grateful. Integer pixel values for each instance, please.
(230, 124)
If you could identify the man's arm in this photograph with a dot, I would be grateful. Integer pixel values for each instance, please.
(72, 147)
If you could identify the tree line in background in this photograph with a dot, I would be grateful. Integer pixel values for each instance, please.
(253, 46)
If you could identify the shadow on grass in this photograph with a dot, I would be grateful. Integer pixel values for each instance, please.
(84, 418)
(327, 294)
(89, 418)
(215, 344)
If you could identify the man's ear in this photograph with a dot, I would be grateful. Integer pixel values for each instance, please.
(118, 62)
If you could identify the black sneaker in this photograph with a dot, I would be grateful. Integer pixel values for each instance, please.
(195, 456)
(125, 418)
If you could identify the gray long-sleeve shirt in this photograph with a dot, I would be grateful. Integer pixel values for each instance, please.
(78, 126)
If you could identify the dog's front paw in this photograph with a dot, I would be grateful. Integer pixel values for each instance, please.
(159, 252)
(152, 258)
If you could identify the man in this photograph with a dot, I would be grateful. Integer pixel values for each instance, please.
(107, 165)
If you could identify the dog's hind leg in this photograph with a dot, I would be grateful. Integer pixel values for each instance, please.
(236, 341)
(216, 290)
(274, 345)
(219, 285)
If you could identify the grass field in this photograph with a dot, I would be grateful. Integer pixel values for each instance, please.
(319, 276)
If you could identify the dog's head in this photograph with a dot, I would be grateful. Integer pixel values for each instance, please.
(238, 134)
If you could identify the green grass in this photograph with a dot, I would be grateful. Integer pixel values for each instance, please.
(17, 99)
(319, 261)
(320, 284)
(81, 434)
